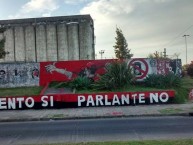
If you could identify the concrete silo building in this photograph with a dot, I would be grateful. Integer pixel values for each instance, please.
(48, 39)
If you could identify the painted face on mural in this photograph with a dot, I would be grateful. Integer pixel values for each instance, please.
(35, 73)
(153, 62)
(89, 71)
(137, 68)
(2, 74)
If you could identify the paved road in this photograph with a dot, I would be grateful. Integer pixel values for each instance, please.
(96, 130)
(96, 112)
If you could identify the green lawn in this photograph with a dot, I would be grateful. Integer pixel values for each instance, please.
(22, 91)
(161, 142)
(170, 110)
(187, 82)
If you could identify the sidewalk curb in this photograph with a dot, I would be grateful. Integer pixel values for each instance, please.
(91, 117)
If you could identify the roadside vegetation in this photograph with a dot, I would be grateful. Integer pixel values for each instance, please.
(159, 142)
(171, 111)
(190, 69)
(21, 91)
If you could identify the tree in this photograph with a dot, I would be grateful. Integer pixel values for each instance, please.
(190, 69)
(121, 46)
(157, 55)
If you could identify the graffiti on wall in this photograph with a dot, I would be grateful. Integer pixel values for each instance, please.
(20, 74)
(68, 70)
(142, 67)
(176, 67)
(40, 74)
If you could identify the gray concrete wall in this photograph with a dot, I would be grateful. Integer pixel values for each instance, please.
(1, 37)
(62, 42)
(52, 50)
(19, 74)
(10, 45)
(19, 44)
(85, 41)
(41, 43)
(30, 44)
(73, 41)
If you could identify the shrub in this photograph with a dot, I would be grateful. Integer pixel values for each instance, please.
(163, 81)
(190, 70)
(183, 73)
(172, 81)
(117, 75)
(80, 83)
(181, 95)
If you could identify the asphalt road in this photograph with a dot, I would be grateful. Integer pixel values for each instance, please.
(96, 130)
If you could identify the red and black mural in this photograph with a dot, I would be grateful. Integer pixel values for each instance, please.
(68, 70)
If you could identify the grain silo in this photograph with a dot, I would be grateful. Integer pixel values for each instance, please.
(48, 39)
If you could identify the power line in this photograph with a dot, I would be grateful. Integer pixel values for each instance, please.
(179, 35)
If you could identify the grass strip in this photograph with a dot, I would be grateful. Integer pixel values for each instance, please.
(170, 110)
(154, 142)
(22, 91)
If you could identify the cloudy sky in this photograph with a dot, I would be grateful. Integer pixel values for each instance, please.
(148, 25)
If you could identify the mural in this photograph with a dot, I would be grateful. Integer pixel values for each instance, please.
(142, 67)
(68, 70)
(40, 74)
(176, 67)
(20, 74)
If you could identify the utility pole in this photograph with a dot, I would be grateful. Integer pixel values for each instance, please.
(186, 46)
(101, 52)
(165, 53)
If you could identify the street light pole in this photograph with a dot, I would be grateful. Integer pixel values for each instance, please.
(186, 46)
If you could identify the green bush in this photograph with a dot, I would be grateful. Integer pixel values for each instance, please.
(163, 81)
(190, 70)
(117, 75)
(181, 95)
(80, 83)
(172, 81)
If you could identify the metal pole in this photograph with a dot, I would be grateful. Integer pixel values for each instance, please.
(101, 53)
(186, 47)
(164, 53)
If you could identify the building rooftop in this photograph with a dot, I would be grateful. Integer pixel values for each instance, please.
(46, 20)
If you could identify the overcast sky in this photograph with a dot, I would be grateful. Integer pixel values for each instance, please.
(148, 25)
